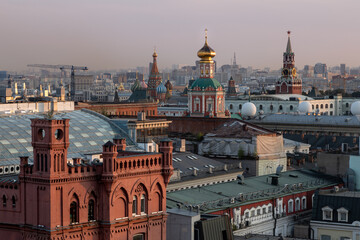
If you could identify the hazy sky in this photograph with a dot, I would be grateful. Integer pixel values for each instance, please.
(117, 34)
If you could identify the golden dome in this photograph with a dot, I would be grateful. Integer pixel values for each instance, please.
(206, 52)
(155, 54)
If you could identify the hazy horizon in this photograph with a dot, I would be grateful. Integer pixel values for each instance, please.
(122, 34)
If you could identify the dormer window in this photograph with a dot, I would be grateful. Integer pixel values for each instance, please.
(342, 214)
(327, 213)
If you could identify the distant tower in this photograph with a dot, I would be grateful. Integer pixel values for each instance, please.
(231, 92)
(154, 78)
(169, 88)
(289, 83)
(206, 94)
(343, 69)
(234, 60)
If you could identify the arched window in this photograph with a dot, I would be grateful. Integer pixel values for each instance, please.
(347, 105)
(290, 206)
(297, 204)
(231, 106)
(261, 107)
(73, 212)
(291, 107)
(280, 108)
(321, 106)
(326, 106)
(303, 203)
(143, 203)
(4, 200)
(13, 200)
(240, 106)
(271, 107)
(312, 107)
(317, 106)
(91, 210)
(134, 205)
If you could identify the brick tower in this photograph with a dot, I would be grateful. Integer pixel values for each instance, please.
(289, 83)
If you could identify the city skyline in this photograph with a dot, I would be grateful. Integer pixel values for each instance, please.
(115, 35)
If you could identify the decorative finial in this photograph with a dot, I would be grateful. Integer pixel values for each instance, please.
(288, 32)
(206, 34)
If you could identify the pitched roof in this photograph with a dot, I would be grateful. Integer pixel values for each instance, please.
(349, 200)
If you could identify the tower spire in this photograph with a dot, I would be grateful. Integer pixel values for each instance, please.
(234, 60)
(288, 47)
(206, 36)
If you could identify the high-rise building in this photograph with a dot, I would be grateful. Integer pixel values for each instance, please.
(343, 69)
(289, 83)
(206, 94)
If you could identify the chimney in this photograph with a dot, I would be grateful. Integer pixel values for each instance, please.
(120, 143)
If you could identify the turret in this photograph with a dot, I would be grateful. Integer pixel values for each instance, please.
(109, 155)
(50, 141)
(166, 148)
(120, 143)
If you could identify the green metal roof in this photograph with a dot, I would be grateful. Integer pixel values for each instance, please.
(206, 82)
(219, 196)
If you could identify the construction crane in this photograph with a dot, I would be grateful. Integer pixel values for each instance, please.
(62, 68)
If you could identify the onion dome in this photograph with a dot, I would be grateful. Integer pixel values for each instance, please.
(121, 87)
(136, 86)
(143, 85)
(161, 88)
(206, 53)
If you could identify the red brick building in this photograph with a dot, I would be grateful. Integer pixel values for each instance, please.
(121, 197)
(120, 109)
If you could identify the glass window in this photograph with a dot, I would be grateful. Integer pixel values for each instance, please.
(134, 205)
(252, 213)
(303, 203)
(4, 200)
(73, 212)
(91, 210)
(297, 204)
(327, 213)
(325, 237)
(139, 237)
(13, 201)
(258, 211)
(290, 206)
(143, 207)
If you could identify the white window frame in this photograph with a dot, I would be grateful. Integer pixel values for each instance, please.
(303, 203)
(325, 209)
(297, 206)
(291, 208)
(343, 210)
